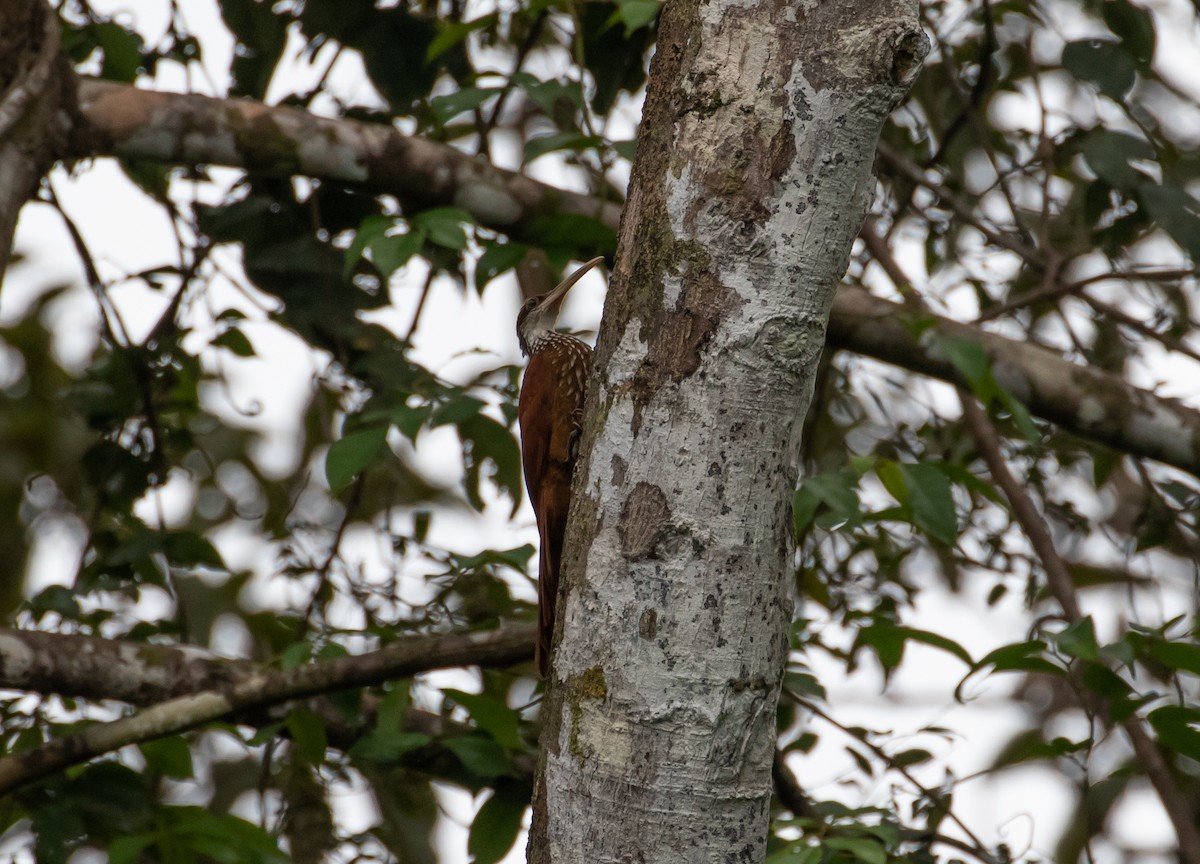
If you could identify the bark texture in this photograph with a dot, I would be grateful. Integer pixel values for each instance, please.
(231, 689)
(752, 176)
(37, 91)
(1086, 401)
(280, 141)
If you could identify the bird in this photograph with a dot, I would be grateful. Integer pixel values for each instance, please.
(550, 412)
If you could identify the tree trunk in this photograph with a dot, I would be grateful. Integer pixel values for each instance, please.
(37, 103)
(752, 176)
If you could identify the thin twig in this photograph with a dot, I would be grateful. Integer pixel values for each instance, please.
(960, 208)
(1063, 289)
(416, 319)
(1125, 319)
(979, 850)
(1058, 579)
(116, 335)
(977, 91)
(323, 572)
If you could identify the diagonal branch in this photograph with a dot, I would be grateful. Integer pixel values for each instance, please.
(281, 141)
(174, 128)
(1058, 579)
(1085, 401)
(255, 691)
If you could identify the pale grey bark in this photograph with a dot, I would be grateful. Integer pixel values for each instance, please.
(752, 176)
(174, 128)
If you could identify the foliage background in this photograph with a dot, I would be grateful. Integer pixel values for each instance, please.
(278, 424)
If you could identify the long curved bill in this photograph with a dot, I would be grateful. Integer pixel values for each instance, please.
(560, 290)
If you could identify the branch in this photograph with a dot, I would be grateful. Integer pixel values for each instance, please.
(34, 98)
(243, 693)
(1058, 579)
(281, 141)
(1085, 401)
(124, 121)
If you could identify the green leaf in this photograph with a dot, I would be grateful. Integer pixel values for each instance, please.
(444, 226)
(636, 14)
(1101, 62)
(960, 475)
(235, 340)
(480, 755)
(838, 491)
(915, 756)
(931, 502)
(550, 95)
(492, 716)
(889, 639)
(446, 108)
(371, 228)
(349, 455)
(122, 51)
(1134, 27)
(393, 708)
(1177, 728)
(1079, 640)
(308, 734)
(1017, 657)
(971, 361)
(864, 849)
(457, 410)
(571, 231)
(492, 441)
(1028, 745)
(189, 549)
(626, 149)
(296, 654)
(804, 684)
(387, 746)
(497, 824)
(496, 259)
(936, 640)
(887, 642)
(170, 757)
(1176, 212)
(1184, 656)
(389, 254)
(796, 852)
(453, 33)
(1020, 416)
(128, 850)
(1108, 684)
(535, 147)
(1110, 153)
(388, 741)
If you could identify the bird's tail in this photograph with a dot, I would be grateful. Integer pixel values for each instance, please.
(547, 597)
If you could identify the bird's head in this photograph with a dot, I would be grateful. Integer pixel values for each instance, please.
(538, 315)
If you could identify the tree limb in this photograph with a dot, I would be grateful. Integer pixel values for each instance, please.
(1085, 401)
(190, 129)
(36, 90)
(243, 691)
(175, 128)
